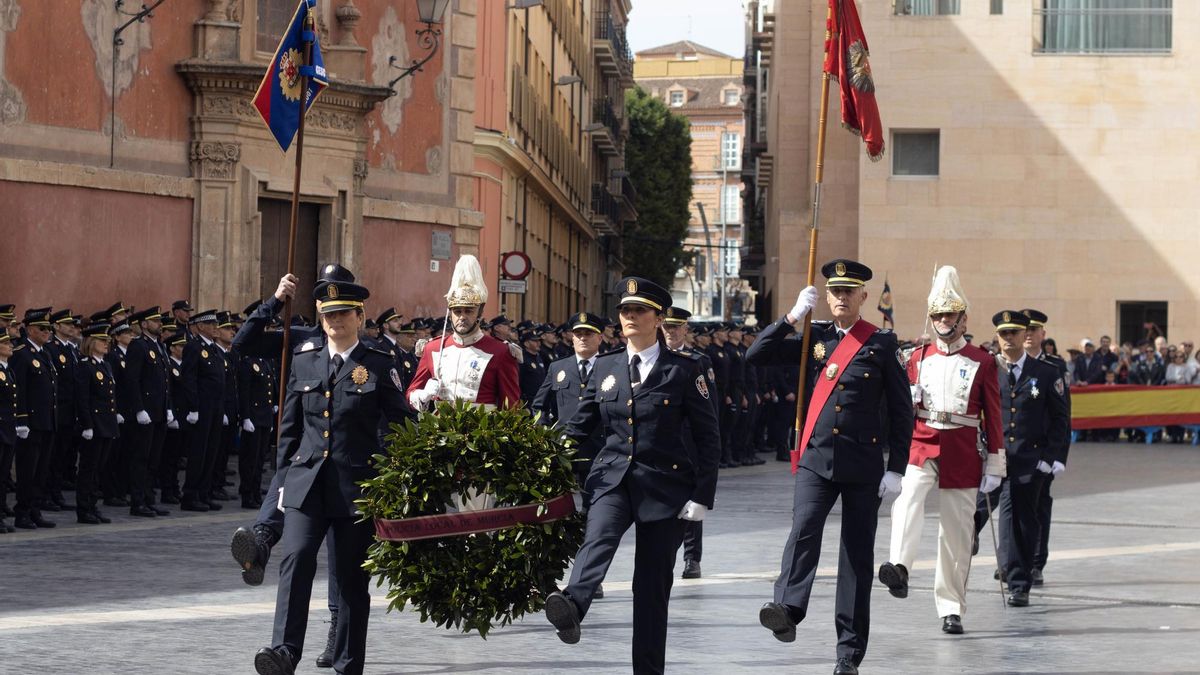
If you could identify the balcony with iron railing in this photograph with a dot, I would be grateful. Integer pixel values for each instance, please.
(606, 212)
(611, 46)
(626, 195)
(608, 137)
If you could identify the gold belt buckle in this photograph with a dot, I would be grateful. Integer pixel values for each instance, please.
(942, 417)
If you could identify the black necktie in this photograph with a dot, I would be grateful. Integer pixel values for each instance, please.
(583, 372)
(635, 373)
(336, 366)
(1012, 375)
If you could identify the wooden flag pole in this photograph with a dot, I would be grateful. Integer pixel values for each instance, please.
(309, 27)
(830, 39)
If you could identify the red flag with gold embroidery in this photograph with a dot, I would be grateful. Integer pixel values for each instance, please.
(847, 60)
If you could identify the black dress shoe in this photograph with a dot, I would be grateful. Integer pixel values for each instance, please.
(778, 620)
(24, 522)
(5, 528)
(115, 501)
(564, 615)
(36, 517)
(142, 511)
(248, 503)
(1018, 599)
(274, 661)
(952, 624)
(251, 550)
(599, 594)
(47, 505)
(213, 506)
(101, 517)
(87, 518)
(159, 511)
(895, 577)
(325, 660)
(1036, 576)
(220, 495)
(193, 506)
(170, 498)
(783, 457)
(845, 667)
(691, 569)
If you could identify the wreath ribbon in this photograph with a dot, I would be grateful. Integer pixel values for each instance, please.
(489, 520)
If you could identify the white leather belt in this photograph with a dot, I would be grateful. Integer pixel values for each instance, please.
(948, 418)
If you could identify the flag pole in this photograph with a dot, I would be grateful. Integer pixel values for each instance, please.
(830, 41)
(309, 28)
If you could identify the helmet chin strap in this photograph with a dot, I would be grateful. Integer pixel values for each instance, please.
(946, 336)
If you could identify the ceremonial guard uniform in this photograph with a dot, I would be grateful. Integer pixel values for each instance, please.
(858, 408)
(643, 476)
(956, 394)
(37, 417)
(8, 421)
(96, 418)
(1036, 419)
(203, 394)
(335, 413)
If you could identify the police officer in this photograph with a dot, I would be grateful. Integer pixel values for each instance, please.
(96, 418)
(532, 370)
(114, 474)
(202, 386)
(340, 398)
(181, 312)
(398, 338)
(226, 328)
(8, 422)
(642, 398)
(256, 400)
(859, 406)
(175, 443)
(675, 334)
(37, 417)
(64, 355)
(1036, 418)
(146, 367)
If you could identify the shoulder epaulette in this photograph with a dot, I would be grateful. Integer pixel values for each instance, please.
(885, 331)
(689, 355)
(614, 352)
(307, 346)
(822, 323)
(562, 358)
(381, 351)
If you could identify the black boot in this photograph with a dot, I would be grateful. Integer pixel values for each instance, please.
(325, 660)
(252, 550)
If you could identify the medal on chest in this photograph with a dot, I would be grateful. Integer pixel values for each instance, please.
(608, 383)
(359, 375)
(1033, 388)
(819, 351)
(831, 371)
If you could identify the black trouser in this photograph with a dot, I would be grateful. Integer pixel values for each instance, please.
(221, 459)
(1045, 505)
(92, 455)
(813, 499)
(729, 417)
(781, 422)
(271, 517)
(657, 544)
(63, 459)
(6, 463)
(251, 455)
(303, 530)
(32, 460)
(114, 474)
(202, 440)
(158, 438)
(174, 444)
(1017, 518)
(139, 449)
(693, 540)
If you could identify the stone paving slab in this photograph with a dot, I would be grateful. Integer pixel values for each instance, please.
(1122, 594)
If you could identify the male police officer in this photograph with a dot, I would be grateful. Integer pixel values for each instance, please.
(1036, 420)
(858, 407)
(146, 368)
(37, 420)
(203, 390)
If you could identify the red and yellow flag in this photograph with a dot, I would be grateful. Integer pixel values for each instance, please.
(1099, 406)
(847, 60)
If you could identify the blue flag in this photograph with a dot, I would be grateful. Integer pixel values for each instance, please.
(278, 95)
(885, 304)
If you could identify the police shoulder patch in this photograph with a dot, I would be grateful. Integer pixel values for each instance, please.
(702, 386)
(396, 378)
(1059, 386)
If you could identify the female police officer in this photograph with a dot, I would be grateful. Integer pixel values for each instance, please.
(340, 396)
(641, 397)
(96, 417)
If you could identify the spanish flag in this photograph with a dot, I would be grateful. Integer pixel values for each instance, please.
(1098, 406)
(847, 60)
(278, 95)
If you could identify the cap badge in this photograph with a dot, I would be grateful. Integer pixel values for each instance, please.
(359, 375)
(1007, 317)
(819, 351)
(582, 317)
(840, 269)
(631, 287)
(332, 292)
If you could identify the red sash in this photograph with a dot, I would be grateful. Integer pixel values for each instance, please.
(855, 338)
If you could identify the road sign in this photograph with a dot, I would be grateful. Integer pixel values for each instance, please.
(512, 286)
(514, 265)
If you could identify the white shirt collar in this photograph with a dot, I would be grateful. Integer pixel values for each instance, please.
(648, 355)
(205, 340)
(591, 362)
(468, 340)
(345, 355)
(124, 349)
(1019, 365)
(391, 340)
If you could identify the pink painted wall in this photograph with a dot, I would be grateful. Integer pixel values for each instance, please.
(395, 268)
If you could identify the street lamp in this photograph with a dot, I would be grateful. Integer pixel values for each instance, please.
(429, 38)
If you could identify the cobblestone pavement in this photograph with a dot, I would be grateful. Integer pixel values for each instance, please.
(1122, 594)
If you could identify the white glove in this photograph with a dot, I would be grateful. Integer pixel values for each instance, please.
(171, 418)
(193, 417)
(173, 424)
(990, 482)
(88, 434)
(693, 511)
(120, 418)
(143, 417)
(22, 432)
(224, 420)
(890, 485)
(916, 391)
(804, 304)
(1044, 467)
(418, 399)
(1058, 469)
(248, 426)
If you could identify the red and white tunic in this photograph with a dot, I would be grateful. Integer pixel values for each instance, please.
(959, 379)
(477, 368)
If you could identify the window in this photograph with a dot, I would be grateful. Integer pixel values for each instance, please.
(1103, 26)
(997, 7)
(1141, 321)
(733, 258)
(273, 18)
(731, 97)
(927, 7)
(731, 151)
(731, 204)
(676, 99)
(915, 153)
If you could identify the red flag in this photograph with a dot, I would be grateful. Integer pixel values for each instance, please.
(847, 60)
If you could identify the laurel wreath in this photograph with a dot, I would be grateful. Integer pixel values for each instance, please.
(480, 581)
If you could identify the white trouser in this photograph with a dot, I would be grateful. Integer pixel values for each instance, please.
(956, 529)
